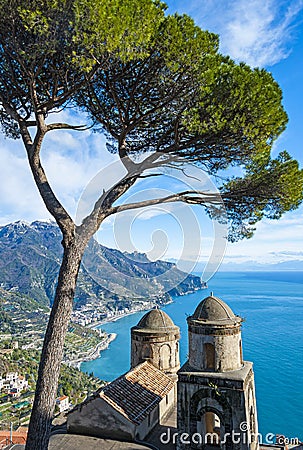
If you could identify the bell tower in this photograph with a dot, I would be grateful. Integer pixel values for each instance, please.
(156, 339)
(216, 390)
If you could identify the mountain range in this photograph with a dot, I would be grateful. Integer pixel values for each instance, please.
(30, 256)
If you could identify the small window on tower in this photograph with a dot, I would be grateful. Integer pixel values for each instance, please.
(209, 351)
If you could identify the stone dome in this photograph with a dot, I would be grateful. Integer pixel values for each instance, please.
(156, 320)
(213, 309)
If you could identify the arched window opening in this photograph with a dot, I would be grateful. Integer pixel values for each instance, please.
(177, 355)
(165, 357)
(211, 425)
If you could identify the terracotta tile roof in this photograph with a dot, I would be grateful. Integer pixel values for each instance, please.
(22, 429)
(17, 437)
(137, 392)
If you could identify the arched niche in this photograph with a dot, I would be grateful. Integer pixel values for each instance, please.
(165, 357)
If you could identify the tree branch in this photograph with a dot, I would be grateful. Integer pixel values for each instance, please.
(103, 206)
(51, 202)
(200, 198)
(31, 123)
(66, 126)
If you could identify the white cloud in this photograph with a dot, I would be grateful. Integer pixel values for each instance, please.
(274, 241)
(71, 160)
(258, 32)
(19, 198)
(290, 254)
(149, 213)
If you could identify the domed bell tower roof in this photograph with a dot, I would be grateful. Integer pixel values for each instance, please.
(213, 310)
(156, 320)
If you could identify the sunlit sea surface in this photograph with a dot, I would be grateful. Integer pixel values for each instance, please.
(272, 305)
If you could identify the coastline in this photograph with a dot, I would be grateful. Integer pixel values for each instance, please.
(254, 297)
(146, 308)
(103, 345)
(120, 316)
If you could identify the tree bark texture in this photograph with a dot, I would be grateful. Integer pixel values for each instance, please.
(52, 352)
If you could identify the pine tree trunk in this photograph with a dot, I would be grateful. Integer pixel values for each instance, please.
(52, 352)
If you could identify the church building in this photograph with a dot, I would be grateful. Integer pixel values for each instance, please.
(213, 393)
(133, 404)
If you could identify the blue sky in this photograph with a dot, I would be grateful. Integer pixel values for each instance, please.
(266, 33)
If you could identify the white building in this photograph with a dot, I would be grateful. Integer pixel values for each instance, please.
(63, 403)
(11, 376)
(13, 383)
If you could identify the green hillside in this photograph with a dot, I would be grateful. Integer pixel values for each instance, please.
(30, 256)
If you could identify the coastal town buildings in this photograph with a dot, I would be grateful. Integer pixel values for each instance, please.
(91, 314)
(13, 384)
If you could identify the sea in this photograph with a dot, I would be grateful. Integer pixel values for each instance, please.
(272, 305)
